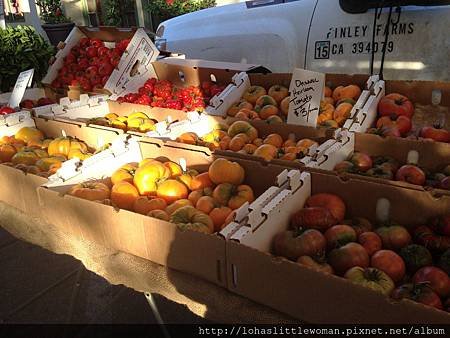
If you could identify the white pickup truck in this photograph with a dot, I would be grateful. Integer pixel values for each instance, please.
(333, 36)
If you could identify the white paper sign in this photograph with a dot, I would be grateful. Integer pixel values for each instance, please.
(135, 68)
(306, 90)
(24, 80)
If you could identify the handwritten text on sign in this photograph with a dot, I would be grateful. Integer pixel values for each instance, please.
(23, 81)
(306, 90)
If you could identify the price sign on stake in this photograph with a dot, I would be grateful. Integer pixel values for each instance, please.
(23, 81)
(306, 90)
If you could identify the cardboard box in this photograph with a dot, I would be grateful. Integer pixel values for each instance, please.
(20, 189)
(312, 296)
(431, 156)
(110, 35)
(146, 237)
(241, 82)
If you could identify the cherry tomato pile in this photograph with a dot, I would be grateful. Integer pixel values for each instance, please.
(89, 64)
(163, 94)
(397, 261)
(395, 113)
(388, 168)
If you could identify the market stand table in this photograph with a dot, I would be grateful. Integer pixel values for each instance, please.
(201, 297)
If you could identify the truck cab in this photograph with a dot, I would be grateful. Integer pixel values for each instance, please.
(331, 36)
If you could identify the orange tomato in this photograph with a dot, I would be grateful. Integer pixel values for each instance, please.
(201, 181)
(124, 173)
(274, 139)
(92, 191)
(6, 152)
(143, 204)
(225, 171)
(219, 216)
(123, 195)
(205, 204)
(266, 151)
(172, 190)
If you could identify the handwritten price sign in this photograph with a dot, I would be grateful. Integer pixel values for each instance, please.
(306, 90)
(24, 80)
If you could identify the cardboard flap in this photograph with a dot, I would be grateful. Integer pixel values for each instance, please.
(135, 66)
(14, 118)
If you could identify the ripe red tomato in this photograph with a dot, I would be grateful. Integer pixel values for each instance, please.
(105, 69)
(29, 104)
(316, 264)
(103, 51)
(95, 80)
(362, 161)
(396, 104)
(97, 43)
(348, 256)
(436, 134)
(293, 244)
(91, 71)
(420, 293)
(131, 97)
(329, 201)
(339, 235)
(438, 280)
(411, 174)
(401, 122)
(359, 224)
(6, 110)
(394, 237)
(104, 80)
(84, 42)
(370, 241)
(83, 63)
(91, 52)
(313, 218)
(389, 262)
(70, 58)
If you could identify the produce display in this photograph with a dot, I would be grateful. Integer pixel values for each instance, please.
(395, 119)
(159, 188)
(390, 169)
(137, 121)
(243, 138)
(272, 105)
(89, 64)
(164, 94)
(30, 151)
(389, 258)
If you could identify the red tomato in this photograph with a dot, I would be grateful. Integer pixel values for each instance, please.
(394, 237)
(70, 58)
(6, 110)
(332, 202)
(389, 262)
(411, 174)
(436, 134)
(293, 244)
(396, 104)
(348, 256)
(83, 63)
(91, 71)
(318, 265)
(339, 235)
(96, 43)
(420, 293)
(96, 80)
(401, 122)
(105, 69)
(438, 279)
(362, 161)
(370, 241)
(104, 80)
(84, 42)
(359, 224)
(103, 51)
(91, 52)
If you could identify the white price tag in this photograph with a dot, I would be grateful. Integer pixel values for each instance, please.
(24, 80)
(306, 90)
